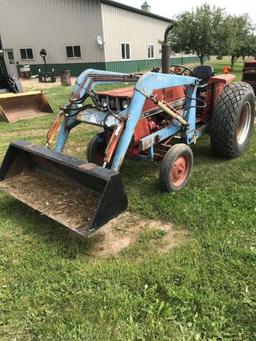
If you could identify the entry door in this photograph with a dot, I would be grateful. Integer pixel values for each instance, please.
(10, 62)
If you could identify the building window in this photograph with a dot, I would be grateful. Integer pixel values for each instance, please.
(26, 53)
(150, 50)
(10, 57)
(125, 47)
(73, 51)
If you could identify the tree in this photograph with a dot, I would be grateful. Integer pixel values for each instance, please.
(248, 47)
(240, 38)
(199, 31)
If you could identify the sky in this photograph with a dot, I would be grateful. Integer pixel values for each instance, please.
(170, 8)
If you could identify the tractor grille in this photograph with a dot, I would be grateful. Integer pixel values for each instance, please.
(116, 104)
(249, 75)
(250, 66)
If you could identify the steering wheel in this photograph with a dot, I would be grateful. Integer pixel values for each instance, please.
(181, 70)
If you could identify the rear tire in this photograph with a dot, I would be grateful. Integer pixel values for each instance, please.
(96, 149)
(232, 120)
(176, 168)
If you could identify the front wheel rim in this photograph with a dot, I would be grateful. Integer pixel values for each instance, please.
(244, 123)
(179, 170)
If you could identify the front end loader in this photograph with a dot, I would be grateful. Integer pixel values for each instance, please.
(14, 103)
(157, 118)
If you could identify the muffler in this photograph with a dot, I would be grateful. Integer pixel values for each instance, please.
(79, 195)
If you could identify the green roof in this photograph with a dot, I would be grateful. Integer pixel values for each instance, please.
(135, 10)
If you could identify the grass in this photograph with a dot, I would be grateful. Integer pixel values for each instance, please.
(52, 288)
(237, 70)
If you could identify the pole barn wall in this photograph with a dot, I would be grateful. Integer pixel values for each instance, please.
(52, 25)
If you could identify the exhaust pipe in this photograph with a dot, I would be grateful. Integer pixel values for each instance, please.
(166, 50)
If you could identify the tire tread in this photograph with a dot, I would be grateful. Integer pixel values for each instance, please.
(224, 118)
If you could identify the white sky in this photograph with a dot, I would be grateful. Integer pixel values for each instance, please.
(169, 8)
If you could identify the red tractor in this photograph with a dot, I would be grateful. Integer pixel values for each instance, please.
(249, 74)
(158, 118)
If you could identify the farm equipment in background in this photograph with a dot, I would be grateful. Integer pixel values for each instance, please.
(16, 104)
(45, 76)
(7, 83)
(157, 118)
(249, 74)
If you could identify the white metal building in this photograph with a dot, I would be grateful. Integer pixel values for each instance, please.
(79, 34)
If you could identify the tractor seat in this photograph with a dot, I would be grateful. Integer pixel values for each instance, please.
(204, 73)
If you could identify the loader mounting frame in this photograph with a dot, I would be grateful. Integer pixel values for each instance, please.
(144, 89)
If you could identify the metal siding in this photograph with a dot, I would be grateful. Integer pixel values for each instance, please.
(121, 66)
(123, 26)
(52, 24)
(146, 64)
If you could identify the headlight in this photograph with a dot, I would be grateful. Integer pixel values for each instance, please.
(124, 104)
(104, 103)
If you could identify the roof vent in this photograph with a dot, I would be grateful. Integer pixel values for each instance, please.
(145, 7)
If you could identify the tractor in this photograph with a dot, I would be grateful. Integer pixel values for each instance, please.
(249, 73)
(158, 117)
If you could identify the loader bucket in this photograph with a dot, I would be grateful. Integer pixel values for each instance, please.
(14, 107)
(79, 195)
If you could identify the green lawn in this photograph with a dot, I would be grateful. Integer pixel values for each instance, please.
(53, 288)
(238, 66)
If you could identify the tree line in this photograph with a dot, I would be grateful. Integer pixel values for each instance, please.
(207, 30)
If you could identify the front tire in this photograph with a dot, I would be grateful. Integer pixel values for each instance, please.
(232, 120)
(176, 168)
(96, 149)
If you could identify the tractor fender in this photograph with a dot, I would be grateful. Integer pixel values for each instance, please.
(216, 85)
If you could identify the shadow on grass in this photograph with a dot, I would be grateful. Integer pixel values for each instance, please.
(203, 154)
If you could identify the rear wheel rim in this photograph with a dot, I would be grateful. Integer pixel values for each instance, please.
(244, 123)
(179, 170)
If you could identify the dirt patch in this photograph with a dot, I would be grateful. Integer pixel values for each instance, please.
(74, 206)
(126, 230)
(33, 84)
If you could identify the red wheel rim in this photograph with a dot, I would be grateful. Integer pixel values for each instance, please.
(244, 123)
(179, 170)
